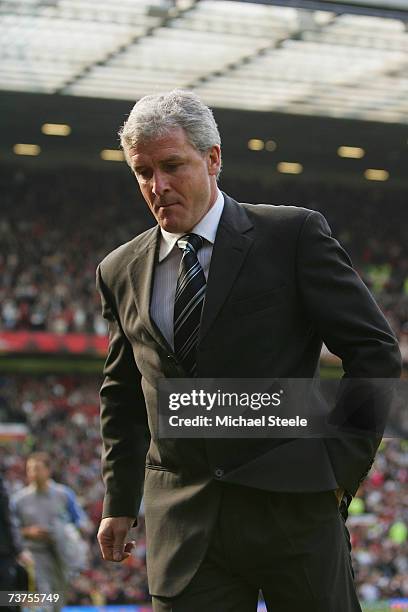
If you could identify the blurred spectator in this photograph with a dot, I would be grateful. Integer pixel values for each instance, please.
(378, 520)
(48, 514)
(13, 557)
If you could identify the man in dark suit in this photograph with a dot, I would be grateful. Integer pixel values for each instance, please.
(14, 558)
(227, 518)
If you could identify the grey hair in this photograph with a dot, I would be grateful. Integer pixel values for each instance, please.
(154, 115)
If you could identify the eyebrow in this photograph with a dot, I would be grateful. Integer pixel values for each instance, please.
(171, 158)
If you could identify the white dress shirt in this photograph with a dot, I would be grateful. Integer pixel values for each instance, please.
(166, 270)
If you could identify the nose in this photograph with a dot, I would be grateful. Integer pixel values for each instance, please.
(160, 183)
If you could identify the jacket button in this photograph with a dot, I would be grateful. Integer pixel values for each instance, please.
(219, 473)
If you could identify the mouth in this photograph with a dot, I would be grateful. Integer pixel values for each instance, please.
(166, 205)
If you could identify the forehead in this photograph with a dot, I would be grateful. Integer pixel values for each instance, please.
(36, 463)
(173, 143)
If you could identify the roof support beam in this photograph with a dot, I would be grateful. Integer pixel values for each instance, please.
(374, 8)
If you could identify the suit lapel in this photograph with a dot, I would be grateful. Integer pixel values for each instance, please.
(231, 246)
(141, 274)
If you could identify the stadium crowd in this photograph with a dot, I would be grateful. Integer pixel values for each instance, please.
(56, 227)
(61, 413)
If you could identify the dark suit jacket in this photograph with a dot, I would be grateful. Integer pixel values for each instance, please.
(278, 285)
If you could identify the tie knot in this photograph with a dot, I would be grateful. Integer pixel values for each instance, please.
(192, 242)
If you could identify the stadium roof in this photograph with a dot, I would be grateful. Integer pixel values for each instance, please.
(345, 58)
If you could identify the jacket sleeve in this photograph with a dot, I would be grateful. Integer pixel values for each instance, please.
(341, 307)
(352, 326)
(123, 418)
(76, 514)
(11, 543)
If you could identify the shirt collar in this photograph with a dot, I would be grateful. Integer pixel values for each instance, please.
(207, 228)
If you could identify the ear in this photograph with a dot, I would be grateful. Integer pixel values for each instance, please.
(214, 160)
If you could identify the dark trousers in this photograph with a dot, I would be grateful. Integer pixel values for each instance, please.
(293, 546)
(8, 579)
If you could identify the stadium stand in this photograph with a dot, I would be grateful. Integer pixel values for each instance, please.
(48, 260)
(62, 418)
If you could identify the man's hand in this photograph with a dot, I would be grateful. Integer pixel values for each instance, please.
(112, 536)
(36, 532)
(25, 558)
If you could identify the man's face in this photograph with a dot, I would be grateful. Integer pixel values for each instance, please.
(178, 182)
(37, 472)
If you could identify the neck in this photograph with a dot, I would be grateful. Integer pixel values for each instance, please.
(213, 193)
(42, 486)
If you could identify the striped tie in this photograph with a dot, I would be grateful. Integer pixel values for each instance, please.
(188, 302)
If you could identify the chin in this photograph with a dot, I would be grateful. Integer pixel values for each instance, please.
(170, 227)
(173, 226)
